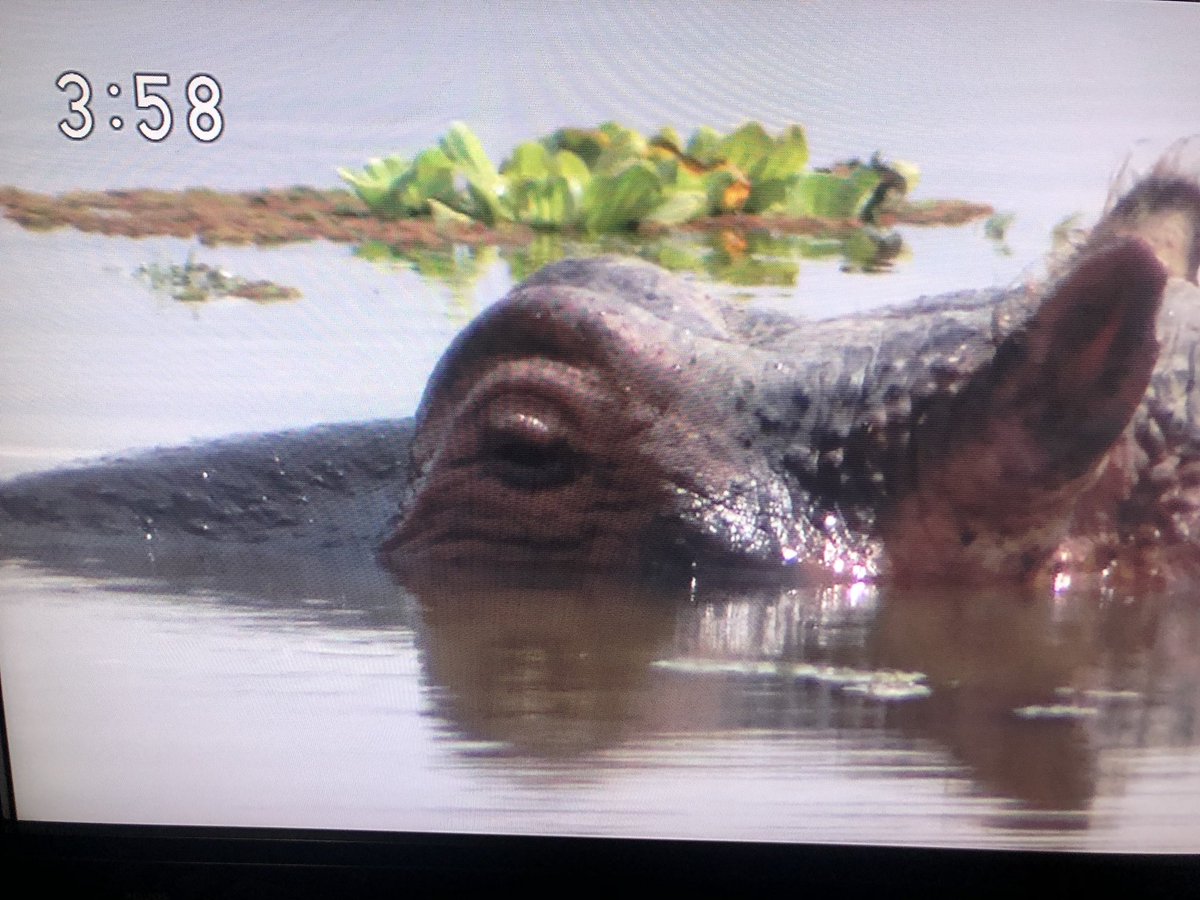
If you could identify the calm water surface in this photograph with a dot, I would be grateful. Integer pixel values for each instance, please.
(309, 696)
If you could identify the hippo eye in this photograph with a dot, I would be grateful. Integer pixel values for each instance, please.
(526, 443)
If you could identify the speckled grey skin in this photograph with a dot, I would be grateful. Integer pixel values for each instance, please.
(610, 416)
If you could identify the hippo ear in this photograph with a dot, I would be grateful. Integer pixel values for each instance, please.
(1067, 383)
(1000, 465)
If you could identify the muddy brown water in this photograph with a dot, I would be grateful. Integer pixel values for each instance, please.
(606, 709)
(245, 690)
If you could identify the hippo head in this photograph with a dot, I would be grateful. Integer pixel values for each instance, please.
(609, 416)
(587, 421)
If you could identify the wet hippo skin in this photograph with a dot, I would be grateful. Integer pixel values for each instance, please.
(609, 416)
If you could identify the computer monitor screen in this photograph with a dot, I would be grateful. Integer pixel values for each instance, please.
(753, 422)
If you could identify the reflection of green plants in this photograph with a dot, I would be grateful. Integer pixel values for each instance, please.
(611, 178)
(758, 259)
(460, 269)
(541, 251)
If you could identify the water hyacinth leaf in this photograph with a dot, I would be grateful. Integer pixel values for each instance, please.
(543, 204)
(486, 205)
(680, 175)
(573, 169)
(619, 134)
(612, 203)
(528, 161)
(727, 191)
(705, 146)
(431, 176)
(787, 157)
(466, 153)
(443, 214)
(616, 159)
(679, 207)
(823, 195)
(374, 183)
(586, 143)
(769, 195)
(747, 147)
(626, 147)
(552, 183)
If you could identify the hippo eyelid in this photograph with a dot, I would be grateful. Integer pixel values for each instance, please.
(528, 450)
(526, 420)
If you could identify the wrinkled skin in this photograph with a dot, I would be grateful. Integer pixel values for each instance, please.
(607, 416)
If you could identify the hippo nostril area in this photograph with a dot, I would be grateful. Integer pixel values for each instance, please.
(527, 443)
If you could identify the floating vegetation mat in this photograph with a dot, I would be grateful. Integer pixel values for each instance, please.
(614, 178)
(742, 207)
(195, 282)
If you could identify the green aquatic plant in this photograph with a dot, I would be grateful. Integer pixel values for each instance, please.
(196, 282)
(613, 178)
(995, 229)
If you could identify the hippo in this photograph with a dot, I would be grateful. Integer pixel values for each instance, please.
(608, 416)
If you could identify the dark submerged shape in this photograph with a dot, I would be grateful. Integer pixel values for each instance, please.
(607, 415)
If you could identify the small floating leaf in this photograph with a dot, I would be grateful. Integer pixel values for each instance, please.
(996, 227)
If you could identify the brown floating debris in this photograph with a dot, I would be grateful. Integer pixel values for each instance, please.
(302, 214)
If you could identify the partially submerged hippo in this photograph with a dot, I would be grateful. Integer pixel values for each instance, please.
(609, 416)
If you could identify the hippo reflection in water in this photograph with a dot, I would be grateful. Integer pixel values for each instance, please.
(608, 416)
